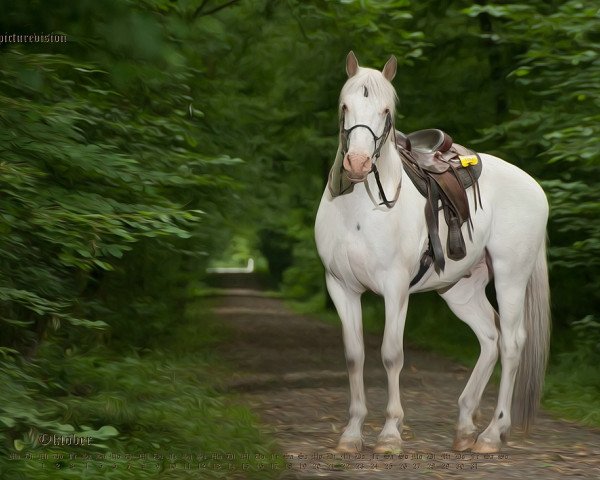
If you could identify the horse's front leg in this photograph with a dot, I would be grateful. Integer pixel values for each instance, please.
(392, 354)
(347, 303)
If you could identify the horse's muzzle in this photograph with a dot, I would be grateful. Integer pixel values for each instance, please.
(357, 166)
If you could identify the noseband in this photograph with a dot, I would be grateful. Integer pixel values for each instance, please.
(379, 141)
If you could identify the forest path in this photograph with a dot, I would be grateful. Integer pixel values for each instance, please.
(290, 370)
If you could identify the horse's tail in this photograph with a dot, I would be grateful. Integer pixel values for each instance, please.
(530, 375)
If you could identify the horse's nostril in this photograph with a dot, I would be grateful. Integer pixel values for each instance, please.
(346, 163)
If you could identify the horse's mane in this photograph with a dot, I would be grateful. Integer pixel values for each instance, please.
(376, 84)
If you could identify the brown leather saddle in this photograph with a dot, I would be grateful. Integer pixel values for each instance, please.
(442, 171)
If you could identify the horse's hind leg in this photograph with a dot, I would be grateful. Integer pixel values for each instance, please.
(516, 249)
(347, 303)
(468, 302)
(511, 275)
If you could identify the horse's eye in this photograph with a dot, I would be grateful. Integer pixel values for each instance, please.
(344, 107)
(386, 111)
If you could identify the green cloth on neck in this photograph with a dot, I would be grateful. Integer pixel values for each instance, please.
(338, 182)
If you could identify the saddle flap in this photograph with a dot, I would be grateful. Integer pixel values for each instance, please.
(454, 192)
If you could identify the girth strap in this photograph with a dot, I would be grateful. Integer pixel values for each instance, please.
(424, 265)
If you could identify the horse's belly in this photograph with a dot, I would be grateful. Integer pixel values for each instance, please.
(475, 250)
(454, 271)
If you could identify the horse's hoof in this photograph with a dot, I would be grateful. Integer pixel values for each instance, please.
(390, 445)
(464, 442)
(485, 445)
(349, 445)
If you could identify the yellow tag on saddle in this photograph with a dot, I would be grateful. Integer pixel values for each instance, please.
(468, 160)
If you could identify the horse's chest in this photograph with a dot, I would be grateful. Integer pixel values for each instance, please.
(359, 251)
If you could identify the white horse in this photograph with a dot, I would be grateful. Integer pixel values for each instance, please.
(369, 247)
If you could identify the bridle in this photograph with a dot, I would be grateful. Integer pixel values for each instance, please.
(379, 141)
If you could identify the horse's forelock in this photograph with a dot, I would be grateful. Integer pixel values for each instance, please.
(376, 84)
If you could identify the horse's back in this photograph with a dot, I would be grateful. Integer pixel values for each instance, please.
(503, 184)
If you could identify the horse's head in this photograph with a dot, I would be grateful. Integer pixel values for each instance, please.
(367, 106)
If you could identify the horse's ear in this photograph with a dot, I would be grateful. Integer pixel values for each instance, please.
(351, 64)
(389, 71)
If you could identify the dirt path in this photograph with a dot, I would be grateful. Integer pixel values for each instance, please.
(292, 373)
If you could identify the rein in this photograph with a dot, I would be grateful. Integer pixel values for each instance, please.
(385, 201)
(379, 141)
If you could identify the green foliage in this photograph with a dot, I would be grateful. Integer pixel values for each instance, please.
(112, 195)
(160, 402)
(552, 129)
(573, 386)
(85, 177)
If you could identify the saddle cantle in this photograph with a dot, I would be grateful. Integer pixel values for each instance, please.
(425, 145)
(442, 171)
